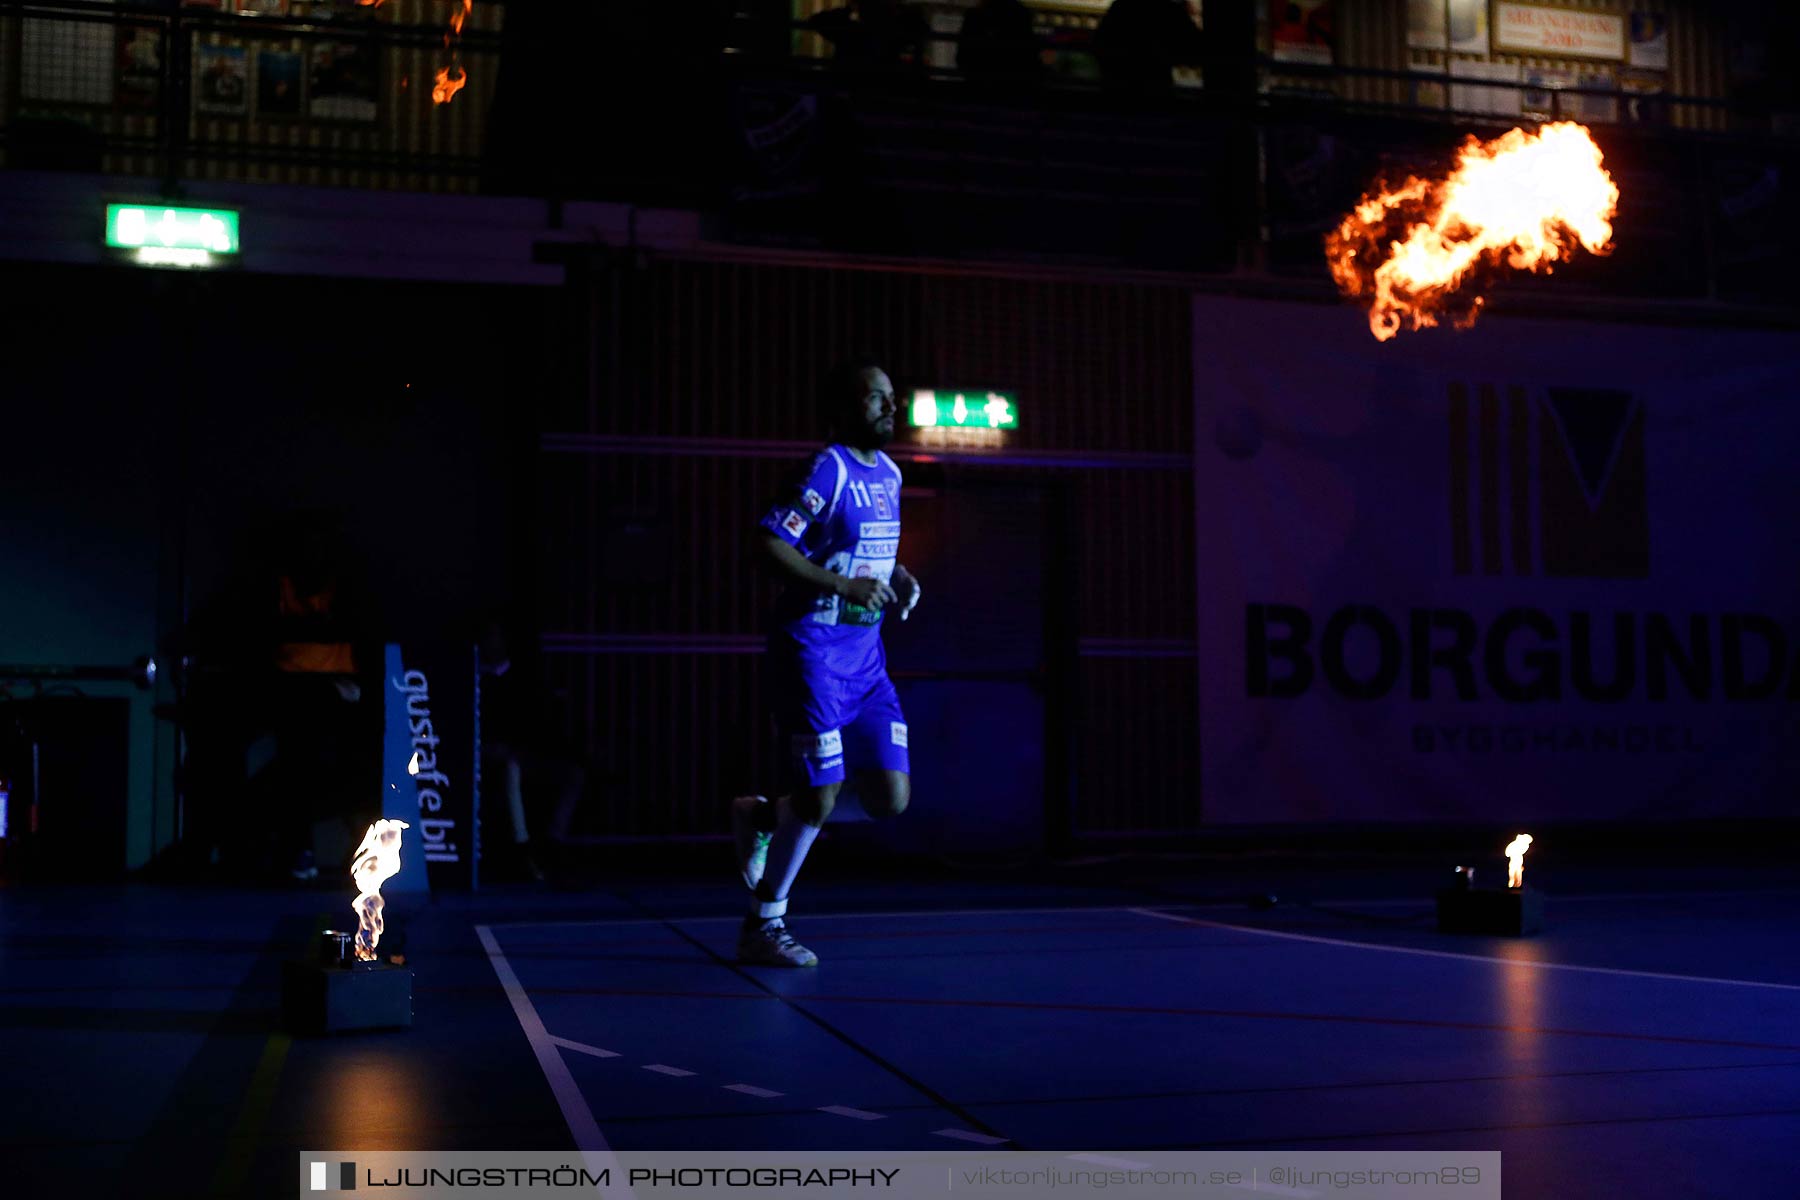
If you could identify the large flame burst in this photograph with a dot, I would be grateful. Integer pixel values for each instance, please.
(1525, 200)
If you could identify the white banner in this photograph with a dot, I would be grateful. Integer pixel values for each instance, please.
(1534, 29)
(1529, 571)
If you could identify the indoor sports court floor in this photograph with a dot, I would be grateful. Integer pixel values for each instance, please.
(1646, 1044)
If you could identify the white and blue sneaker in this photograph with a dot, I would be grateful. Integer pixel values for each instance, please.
(768, 943)
(752, 844)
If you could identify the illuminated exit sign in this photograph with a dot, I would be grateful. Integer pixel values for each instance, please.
(167, 236)
(965, 410)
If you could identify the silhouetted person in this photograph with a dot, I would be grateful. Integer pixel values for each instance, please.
(1140, 41)
(873, 33)
(521, 756)
(999, 42)
(285, 697)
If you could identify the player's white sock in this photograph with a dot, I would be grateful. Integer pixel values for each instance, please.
(787, 850)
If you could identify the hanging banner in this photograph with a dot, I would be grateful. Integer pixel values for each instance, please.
(1529, 571)
(1468, 26)
(1562, 32)
(1650, 40)
(431, 763)
(1300, 32)
(1427, 24)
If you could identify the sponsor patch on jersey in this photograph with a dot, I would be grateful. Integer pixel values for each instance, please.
(877, 549)
(897, 733)
(794, 524)
(879, 529)
(822, 746)
(813, 501)
(872, 568)
(880, 496)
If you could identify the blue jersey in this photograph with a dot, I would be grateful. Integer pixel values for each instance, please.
(844, 516)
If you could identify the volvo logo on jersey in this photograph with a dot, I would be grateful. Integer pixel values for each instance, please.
(431, 759)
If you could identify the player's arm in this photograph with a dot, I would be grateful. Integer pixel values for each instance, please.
(906, 590)
(786, 526)
(787, 560)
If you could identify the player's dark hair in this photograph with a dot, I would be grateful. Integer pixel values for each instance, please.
(842, 386)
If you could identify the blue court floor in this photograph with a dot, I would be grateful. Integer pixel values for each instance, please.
(1646, 1044)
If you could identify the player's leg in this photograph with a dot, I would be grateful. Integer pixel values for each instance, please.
(875, 749)
(884, 793)
(800, 816)
(807, 718)
(512, 786)
(764, 937)
(753, 822)
(795, 711)
(506, 764)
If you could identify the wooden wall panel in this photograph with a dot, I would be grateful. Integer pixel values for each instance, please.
(700, 399)
(734, 350)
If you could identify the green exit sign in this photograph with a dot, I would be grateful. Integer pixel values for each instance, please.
(166, 235)
(933, 409)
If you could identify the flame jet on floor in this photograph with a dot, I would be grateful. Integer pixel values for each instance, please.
(1515, 860)
(340, 990)
(376, 861)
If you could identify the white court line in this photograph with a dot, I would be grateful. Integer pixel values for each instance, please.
(595, 1153)
(1671, 895)
(811, 916)
(1383, 902)
(1426, 901)
(964, 1135)
(1507, 962)
(583, 1048)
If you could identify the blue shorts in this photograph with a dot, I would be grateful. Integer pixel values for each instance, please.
(835, 709)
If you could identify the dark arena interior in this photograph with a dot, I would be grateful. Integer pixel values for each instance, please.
(494, 495)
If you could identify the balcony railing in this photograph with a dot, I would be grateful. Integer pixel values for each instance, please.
(327, 93)
(1455, 88)
(1247, 169)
